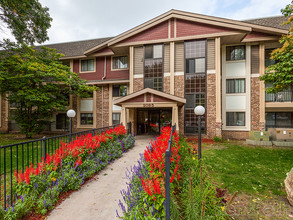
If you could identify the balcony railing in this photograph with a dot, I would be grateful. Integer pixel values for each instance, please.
(284, 96)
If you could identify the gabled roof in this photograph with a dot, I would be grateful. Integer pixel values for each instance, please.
(170, 97)
(79, 49)
(228, 23)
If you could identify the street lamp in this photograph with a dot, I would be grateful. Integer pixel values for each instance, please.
(199, 111)
(71, 114)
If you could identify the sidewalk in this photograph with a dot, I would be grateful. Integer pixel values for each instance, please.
(98, 199)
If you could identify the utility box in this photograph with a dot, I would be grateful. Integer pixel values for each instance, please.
(281, 134)
(259, 135)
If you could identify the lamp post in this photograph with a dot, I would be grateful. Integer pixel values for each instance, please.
(199, 111)
(70, 114)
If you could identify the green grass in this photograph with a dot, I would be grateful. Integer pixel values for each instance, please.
(250, 170)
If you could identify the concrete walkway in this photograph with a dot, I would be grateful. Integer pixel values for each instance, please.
(98, 199)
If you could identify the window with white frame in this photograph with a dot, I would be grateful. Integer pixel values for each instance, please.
(235, 52)
(235, 118)
(116, 118)
(235, 86)
(120, 62)
(87, 65)
(86, 111)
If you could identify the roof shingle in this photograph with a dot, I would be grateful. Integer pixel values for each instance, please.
(275, 22)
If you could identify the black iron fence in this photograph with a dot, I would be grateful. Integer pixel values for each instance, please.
(167, 176)
(21, 155)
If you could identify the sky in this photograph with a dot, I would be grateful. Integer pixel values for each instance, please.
(75, 20)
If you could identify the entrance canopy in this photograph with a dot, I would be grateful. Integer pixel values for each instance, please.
(149, 99)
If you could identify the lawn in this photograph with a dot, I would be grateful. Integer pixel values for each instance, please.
(257, 173)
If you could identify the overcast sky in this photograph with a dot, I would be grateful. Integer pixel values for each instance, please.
(75, 20)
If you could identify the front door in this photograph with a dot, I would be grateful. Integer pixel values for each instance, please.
(154, 121)
(151, 121)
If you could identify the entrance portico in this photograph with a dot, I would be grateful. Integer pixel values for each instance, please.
(154, 109)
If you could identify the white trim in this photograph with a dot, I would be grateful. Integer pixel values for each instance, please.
(167, 74)
(211, 71)
(179, 73)
(138, 76)
(247, 78)
(254, 75)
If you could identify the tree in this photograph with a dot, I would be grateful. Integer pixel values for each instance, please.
(37, 84)
(280, 75)
(27, 20)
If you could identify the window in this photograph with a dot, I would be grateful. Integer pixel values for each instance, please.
(268, 60)
(115, 118)
(153, 67)
(235, 118)
(119, 90)
(279, 120)
(87, 65)
(62, 121)
(235, 53)
(195, 83)
(120, 62)
(86, 118)
(235, 85)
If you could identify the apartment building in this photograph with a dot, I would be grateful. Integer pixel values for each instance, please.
(156, 73)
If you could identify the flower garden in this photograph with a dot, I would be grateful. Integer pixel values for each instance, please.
(39, 187)
(193, 195)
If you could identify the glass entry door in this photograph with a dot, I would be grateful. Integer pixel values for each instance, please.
(154, 122)
(150, 121)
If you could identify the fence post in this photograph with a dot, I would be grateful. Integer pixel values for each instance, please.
(44, 148)
(93, 132)
(167, 185)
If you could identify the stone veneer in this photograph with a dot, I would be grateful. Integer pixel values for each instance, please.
(104, 108)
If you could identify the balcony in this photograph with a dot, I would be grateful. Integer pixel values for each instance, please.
(284, 96)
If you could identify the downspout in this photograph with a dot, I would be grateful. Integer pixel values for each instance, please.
(105, 74)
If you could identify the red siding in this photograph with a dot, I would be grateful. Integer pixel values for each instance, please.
(99, 73)
(189, 28)
(159, 31)
(148, 98)
(160, 99)
(137, 99)
(104, 50)
(254, 34)
(172, 28)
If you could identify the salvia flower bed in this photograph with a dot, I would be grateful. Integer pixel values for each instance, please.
(38, 188)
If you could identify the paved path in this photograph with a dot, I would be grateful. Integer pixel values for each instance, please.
(98, 199)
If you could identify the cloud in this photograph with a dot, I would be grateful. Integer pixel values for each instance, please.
(79, 20)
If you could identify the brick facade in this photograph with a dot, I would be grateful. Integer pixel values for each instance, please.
(236, 135)
(137, 84)
(255, 104)
(211, 105)
(166, 86)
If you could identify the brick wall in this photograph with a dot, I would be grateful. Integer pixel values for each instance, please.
(237, 135)
(137, 84)
(211, 105)
(179, 86)
(166, 86)
(255, 104)
(102, 105)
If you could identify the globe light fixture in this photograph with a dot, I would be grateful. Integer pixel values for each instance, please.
(70, 114)
(199, 111)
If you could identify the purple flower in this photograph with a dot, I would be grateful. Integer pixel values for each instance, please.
(12, 208)
(21, 198)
